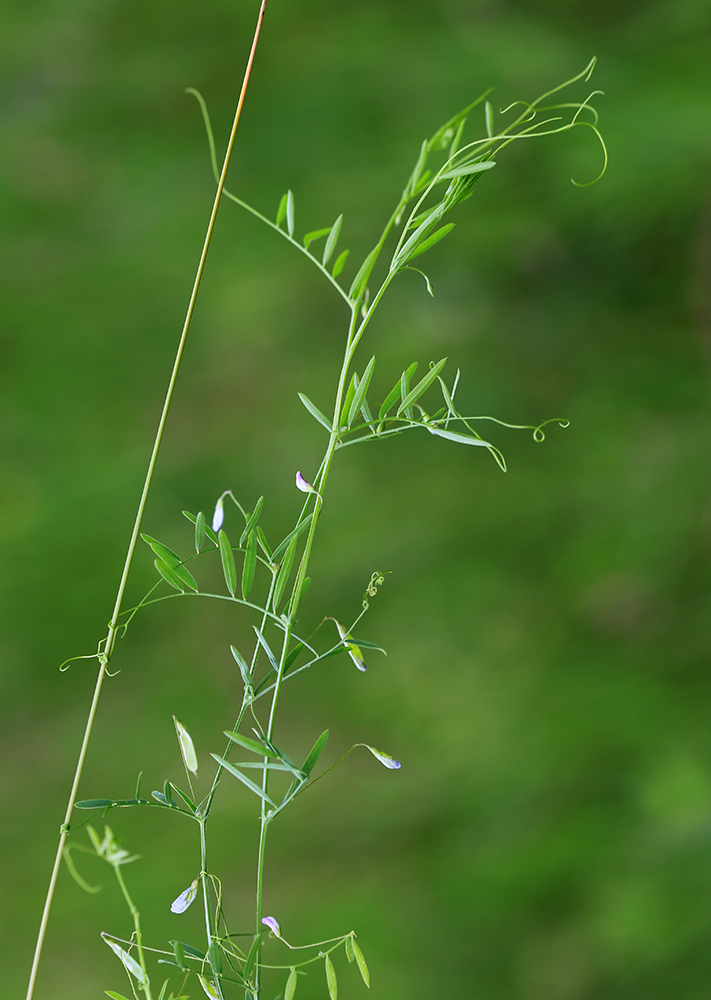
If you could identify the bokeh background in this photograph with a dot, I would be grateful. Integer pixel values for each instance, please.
(548, 683)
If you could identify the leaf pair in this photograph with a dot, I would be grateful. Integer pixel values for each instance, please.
(286, 211)
(355, 400)
(170, 567)
(353, 952)
(228, 563)
(409, 396)
(264, 748)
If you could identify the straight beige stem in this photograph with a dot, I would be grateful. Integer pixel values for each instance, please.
(105, 655)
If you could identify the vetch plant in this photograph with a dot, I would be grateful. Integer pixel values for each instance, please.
(265, 578)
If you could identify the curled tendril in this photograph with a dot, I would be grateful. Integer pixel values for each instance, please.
(526, 104)
(538, 432)
(604, 152)
(63, 667)
(376, 580)
(99, 655)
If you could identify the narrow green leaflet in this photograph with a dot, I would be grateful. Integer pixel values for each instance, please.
(169, 557)
(346, 408)
(114, 996)
(170, 576)
(189, 950)
(165, 800)
(489, 118)
(289, 661)
(405, 388)
(332, 240)
(365, 410)
(389, 400)
(261, 765)
(315, 235)
(252, 521)
(267, 648)
(264, 749)
(350, 954)
(361, 964)
(129, 963)
(171, 561)
(457, 139)
(459, 438)
(187, 748)
(281, 211)
(468, 168)
(315, 412)
(331, 978)
(414, 394)
(187, 578)
(302, 526)
(360, 392)
(214, 957)
(315, 753)
(228, 562)
(407, 375)
(340, 263)
(247, 742)
(284, 571)
(244, 779)
(262, 538)
(209, 533)
(361, 279)
(365, 644)
(179, 953)
(290, 213)
(250, 562)
(186, 798)
(447, 397)
(430, 220)
(95, 803)
(243, 668)
(200, 526)
(436, 236)
(252, 956)
(290, 986)
(419, 167)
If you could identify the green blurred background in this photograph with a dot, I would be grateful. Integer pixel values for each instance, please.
(547, 686)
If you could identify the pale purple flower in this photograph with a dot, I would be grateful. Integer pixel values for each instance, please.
(302, 485)
(272, 924)
(384, 758)
(218, 517)
(184, 900)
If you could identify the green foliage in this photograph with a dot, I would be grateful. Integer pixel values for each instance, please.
(280, 580)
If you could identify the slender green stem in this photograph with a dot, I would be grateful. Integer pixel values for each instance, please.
(265, 814)
(263, 827)
(355, 333)
(245, 702)
(105, 655)
(137, 927)
(209, 923)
